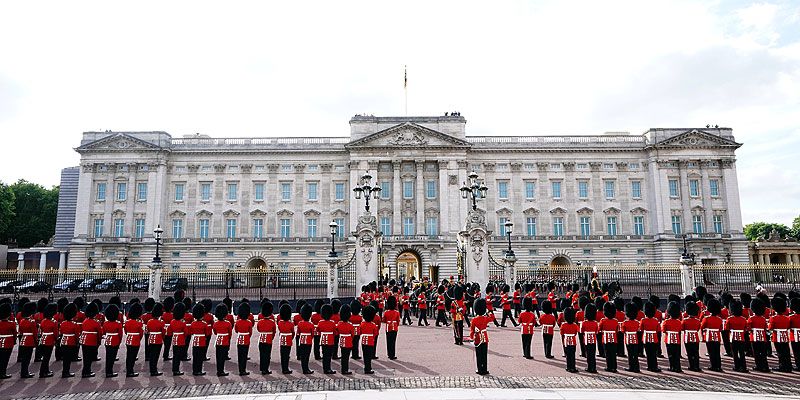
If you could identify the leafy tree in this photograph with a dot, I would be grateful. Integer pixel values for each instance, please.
(756, 229)
(6, 211)
(35, 213)
(796, 228)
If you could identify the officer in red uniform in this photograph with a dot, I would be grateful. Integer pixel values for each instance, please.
(391, 317)
(112, 329)
(672, 329)
(757, 325)
(422, 306)
(266, 335)
(590, 328)
(569, 338)
(243, 329)
(28, 331)
(711, 328)
(369, 334)
(478, 332)
(691, 336)
(48, 329)
(134, 330)
(315, 318)
(69, 339)
(8, 334)
(305, 329)
(91, 332)
(345, 329)
(223, 329)
(779, 325)
(527, 321)
(179, 332)
(285, 336)
(197, 335)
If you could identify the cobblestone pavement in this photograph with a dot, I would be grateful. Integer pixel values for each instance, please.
(427, 359)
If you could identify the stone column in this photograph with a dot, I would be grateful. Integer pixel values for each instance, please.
(444, 194)
(62, 260)
(154, 286)
(687, 275)
(20, 261)
(419, 198)
(397, 196)
(476, 238)
(333, 278)
(42, 264)
(366, 233)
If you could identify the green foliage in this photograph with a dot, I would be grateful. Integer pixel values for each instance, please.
(796, 228)
(6, 210)
(758, 229)
(32, 215)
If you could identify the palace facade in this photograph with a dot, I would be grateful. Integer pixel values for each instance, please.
(604, 199)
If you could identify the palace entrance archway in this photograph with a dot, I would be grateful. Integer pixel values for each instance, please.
(560, 261)
(409, 264)
(256, 272)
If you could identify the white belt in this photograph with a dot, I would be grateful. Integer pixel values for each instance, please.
(27, 334)
(223, 334)
(198, 335)
(301, 335)
(50, 333)
(345, 335)
(569, 335)
(65, 335)
(153, 333)
(631, 333)
(177, 333)
(367, 334)
(285, 334)
(134, 334)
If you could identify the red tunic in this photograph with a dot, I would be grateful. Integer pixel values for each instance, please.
(779, 326)
(369, 333)
(91, 331)
(209, 320)
(8, 334)
(133, 332)
(28, 331)
(590, 329)
(197, 333)
(305, 330)
(179, 331)
(345, 330)
(113, 333)
(758, 328)
(711, 327)
(49, 330)
(569, 334)
(548, 323)
(489, 303)
(672, 330)
(691, 330)
(243, 329)
(392, 320)
(155, 331)
(440, 302)
(286, 333)
(422, 302)
(223, 329)
(355, 320)
(327, 332)
(737, 326)
(517, 299)
(69, 333)
(315, 318)
(609, 328)
(794, 325)
(478, 330)
(650, 329)
(266, 329)
(505, 302)
(630, 329)
(527, 320)
(166, 318)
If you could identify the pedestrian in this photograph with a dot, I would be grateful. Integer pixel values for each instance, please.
(244, 330)
(672, 329)
(527, 321)
(305, 329)
(391, 317)
(369, 334)
(711, 328)
(590, 328)
(134, 329)
(691, 336)
(285, 336)
(345, 329)
(155, 338)
(69, 341)
(569, 335)
(779, 325)
(197, 333)
(609, 327)
(223, 329)
(478, 333)
(49, 332)
(28, 331)
(179, 332)
(112, 329)
(630, 329)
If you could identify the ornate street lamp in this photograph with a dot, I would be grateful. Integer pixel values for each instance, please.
(334, 230)
(509, 226)
(157, 232)
(728, 258)
(366, 190)
(476, 189)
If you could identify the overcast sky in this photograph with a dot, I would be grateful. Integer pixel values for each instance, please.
(304, 68)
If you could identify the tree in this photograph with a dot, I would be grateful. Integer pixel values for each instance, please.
(35, 213)
(6, 211)
(796, 228)
(757, 229)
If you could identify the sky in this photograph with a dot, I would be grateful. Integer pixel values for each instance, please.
(243, 69)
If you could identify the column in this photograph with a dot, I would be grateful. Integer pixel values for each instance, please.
(355, 204)
(62, 260)
(20, 261)
(444, 194)
(397, 195)
(84, 201)
(42, 264)
(419, 198)
(705, 184)
(332, 278)
(731, 191)
(685, 198)
(366, 250)
(517, 191)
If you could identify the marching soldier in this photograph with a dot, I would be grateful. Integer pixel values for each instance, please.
(569, 334)
(112, 330)
(179, 333)
(406, 304)
(505, 302)
(355, 320)
(28, 331)
(69, 340)
(590, 328)
(155, 338)
(527, 321)
(757, 325)
(197, 335)
(422, 305)
(369, 333)
(737, 325)
(457, 309)
(223, 329)
(8, 334)
(391, 317)
(305, 329)
(779, 325)
(548, 324)
(327, 331)
(134, 330)
(440, 307)
(517, 300)
(608, 328)
(480, 336)
(651, 328)
(691, 336)
(243, 329)
(711, 327)
(49, 332)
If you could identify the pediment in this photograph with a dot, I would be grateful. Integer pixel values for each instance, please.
(585, 210)
(638, 210)
(257, 211)
(504, 211)
(612, 210)
(311, 213)
(558, 210)
(697, 138)
(204, 213)
(118, 142)
(408, 135)
(285, 213)
(530, 210)
(231, 213)
(338, 212)
(177, 214)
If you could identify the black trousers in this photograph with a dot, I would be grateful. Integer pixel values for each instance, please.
(726, 341)
(345, 360)
(441, 317)
(507, 314)
(796, 352)
(674, 355)
(146, 346)
(620, 344)
(369, 353)
(517, 309)
(693, 355)
(611, 356)
(391, 344)
(68, 355)
(57, 350)
(167, 346)
(547, 340)
(25, 355)
(591, 361)
(406, 317)
(760, 355)
(222, 356)
(45, 352)
(327, 353)
(652, 350)
(633, 357)
(739, 349)
(89, 355)
(570, 352)
(600, 346)
(241, 357)
(305, 354)
(458, 331)
(264, 356)
(155, 357)
(423, 316)
(356, 340)
(111, 358)
(713, 355)
(481, 357)
(130, 358)
(198, 358)
(784, 357)
(317, 353)
(526, 345)
(582, 343)
(286, 351)
(178, 355)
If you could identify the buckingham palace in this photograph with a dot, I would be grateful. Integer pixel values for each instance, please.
(603, 199)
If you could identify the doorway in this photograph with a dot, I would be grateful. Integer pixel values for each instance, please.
(409, 265)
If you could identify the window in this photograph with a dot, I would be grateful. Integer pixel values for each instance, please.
(614, 252)
(284, 254)
(501, 222)
(529, 166)
(122, 191)
(141, 191)
(312, 191)
(311, 254)
(204, 228)
(583, 189)
(98, 227)
(119, 227)
(386, 190)
(530, 225)
(558, 226)
(386, 226)
(636, 189)
(586, 226)
(582, 166)
(694, 187)
(111, 253)
(205, 191)
(718, 224)
(286, 167)
(697, 223)
(139, 228)
(313, 168)
(230, 228)
(608, 166)
(101, 191)
(286, 191)
(673, 188)
(179, 191)
(502, 190)
(611, 223)
(640, 252)
(430, 189)
(258, 228)
(587, 252)
(555, 166)
(229, 254)
(134, 254)
(432, 226)
(232, 191)
(530, 190)
(258, 192)
(533, 252)
(311, 227)
(286, 227)
(633, 166)
(177, 228)
(556, 186)
(176, 254)
(676, 225)
(638, 225)
(609, 186)
(341, 228)
(714, 187)
(339, 191)
(408, 189)
(408, 226)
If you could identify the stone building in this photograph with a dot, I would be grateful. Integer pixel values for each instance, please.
(613, 198)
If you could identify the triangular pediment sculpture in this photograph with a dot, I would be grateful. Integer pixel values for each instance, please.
(697, 138)
(118, 142)
(408, 134)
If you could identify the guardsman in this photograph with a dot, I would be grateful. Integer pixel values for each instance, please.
(8, 334)
(244, 329)
(179, 332)
(651, 328)
(369, 335)
(517, 299)
(267, 329)
(630, 335)
(208, 318)
(327, 332)
(548, 323)
(478, 332)
(505, 302)
(590, 328)
(197, 335)
(166, 318)
(47, 340)
(91, 332)
(671, 329)
(69, 339)
(223, 329)
(134, 330)
(527, 322)
(779, 325)
(794, 325)
(112, 331)
(38, 317)
(490, 305)
(458, 310)
(569, 337)
(315, 318)
(757, 325)
(405, 301)
(345, 329)
(305, 329)
(147, 315)
(711, 328)
(608, 329)
(391, 317)
(619, 305)
(355, 320)
(440, 307)
(28, 331)
(691, 336)
(155, 338)
(422, 305)
(737, 326)
(285, 336)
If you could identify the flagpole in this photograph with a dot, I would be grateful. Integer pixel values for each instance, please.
(405, 86)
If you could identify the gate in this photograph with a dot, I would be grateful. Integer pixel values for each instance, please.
(347, 277)
(497, 270)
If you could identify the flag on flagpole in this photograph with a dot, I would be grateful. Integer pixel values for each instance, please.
(405, 77)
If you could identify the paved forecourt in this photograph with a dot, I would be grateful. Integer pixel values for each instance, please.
(427, 359)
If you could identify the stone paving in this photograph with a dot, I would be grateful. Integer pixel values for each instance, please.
(428, 359)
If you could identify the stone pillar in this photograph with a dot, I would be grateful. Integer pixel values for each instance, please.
(62, 260)
(42, 264)
(687, 275)
(475, 236)
(154, 286)
(444, 204)
(333, 278)
(397, 196)
(419, 198)
(20, 261)
(366, 233)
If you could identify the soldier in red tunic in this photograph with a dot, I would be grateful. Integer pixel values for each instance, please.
(630, 336)
(589, 328)
(91, 332)
(147, 315)
(305, 329)
(711, 328)
(8, 334)
(355, 320)
(478, 332)
(285, 336)
(327, 332)
(391, 317)
(548, 323)
(737, 325)
(223, 329)
(38, 317)
(179, 333)
(266, 334)
(243, 329)
(345, 329)
(757, 325)
(422, 306)
(505, 302)
(608, 329)
(28, 331)
(166, 318)
(651, 328)
(369, 334)
(441, 317)
(405, 302)
(569, 337)
(517, 299)
(197, 335)
(155, 338)
(527, 321)
(49, 332)
(133, 339)
(691, 336)
(112, 329)
(794, 325)
(672, 329)
(69, 339)
(779, 325)
(315, 318)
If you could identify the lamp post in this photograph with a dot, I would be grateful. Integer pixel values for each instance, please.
(366, 190)
(333, 260)
(475, 189)
(154, 284)
(334, 230)
(510, 259)
(157, 234)
(509, 226)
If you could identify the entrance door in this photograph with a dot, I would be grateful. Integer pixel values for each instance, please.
(408, 264)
